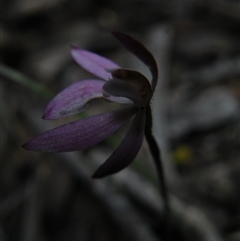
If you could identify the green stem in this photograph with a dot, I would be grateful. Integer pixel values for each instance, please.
(155, 152)
(20, 78)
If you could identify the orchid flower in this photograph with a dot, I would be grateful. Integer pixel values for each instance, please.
(114, 84)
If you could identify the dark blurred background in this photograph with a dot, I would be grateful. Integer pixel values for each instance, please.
(51, 197)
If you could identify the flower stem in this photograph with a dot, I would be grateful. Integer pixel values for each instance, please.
(156, 154)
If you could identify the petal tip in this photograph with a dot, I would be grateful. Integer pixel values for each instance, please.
(96, 176)
(24, 146)
(74, 50)
(100, 174)
(73, 46)
(27, 146)
(47, 115)
(116, 32)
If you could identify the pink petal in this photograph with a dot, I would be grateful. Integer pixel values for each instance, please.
(93, 63)
(138, 49)
(73, 99)
(120, 88)
(81, 134)
(127, 150)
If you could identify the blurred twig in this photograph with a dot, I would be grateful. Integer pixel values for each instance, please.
(32, 212)
(12, 201)
(226, 8)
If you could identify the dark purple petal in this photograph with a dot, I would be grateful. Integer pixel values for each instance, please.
(93, 63)
(121, 88)
(127, 150)
(81, 134)
(138, 49)
(73, 99)
(136, 80)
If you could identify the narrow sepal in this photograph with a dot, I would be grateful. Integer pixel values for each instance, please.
(80, 134)
(127, 150)
(93, 63)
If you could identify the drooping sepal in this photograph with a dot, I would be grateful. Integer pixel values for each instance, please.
(127, 150)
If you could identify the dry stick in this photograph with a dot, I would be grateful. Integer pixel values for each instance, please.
(32, 211)
(155, 152)
(120, 208)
